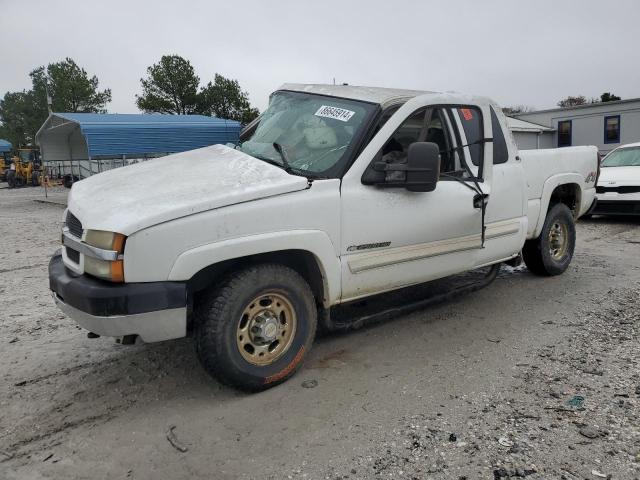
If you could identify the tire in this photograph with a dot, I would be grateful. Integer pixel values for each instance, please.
(227, 319)
(67, 181)
(35, 179)
(551, 253)
(11, 178)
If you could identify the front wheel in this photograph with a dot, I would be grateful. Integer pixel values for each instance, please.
(551, 253)
(254, 330)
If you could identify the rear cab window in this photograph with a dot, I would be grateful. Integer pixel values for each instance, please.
(500, 151)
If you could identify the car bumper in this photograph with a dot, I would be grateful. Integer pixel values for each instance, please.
(154, 311)
(617, 207)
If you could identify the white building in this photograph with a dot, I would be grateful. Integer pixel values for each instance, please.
(606, 125)
(531, 136)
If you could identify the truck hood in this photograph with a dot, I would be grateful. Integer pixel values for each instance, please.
(619, 175)
(134, 197)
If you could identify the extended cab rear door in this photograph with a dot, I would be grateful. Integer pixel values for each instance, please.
(505, 219)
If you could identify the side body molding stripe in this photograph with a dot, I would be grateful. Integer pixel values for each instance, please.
(390, 256)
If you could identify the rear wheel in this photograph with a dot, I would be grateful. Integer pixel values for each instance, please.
(551, 253)
(253, 331)
(35, 179)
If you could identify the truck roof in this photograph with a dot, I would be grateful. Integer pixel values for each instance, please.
(379, 95)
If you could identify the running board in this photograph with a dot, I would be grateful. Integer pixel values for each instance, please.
(331, 321)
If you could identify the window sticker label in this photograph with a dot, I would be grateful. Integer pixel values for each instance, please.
(334, 112)
(467, 113)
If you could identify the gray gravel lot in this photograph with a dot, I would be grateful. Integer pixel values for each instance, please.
(530, 377)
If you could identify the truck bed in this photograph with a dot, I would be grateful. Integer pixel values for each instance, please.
(544, 169)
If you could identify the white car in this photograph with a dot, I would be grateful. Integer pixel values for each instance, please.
(618, 189)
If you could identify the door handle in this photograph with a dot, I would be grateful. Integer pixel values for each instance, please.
(479, 200)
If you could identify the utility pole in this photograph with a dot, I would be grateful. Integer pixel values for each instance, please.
(49, 101)
(45, 176)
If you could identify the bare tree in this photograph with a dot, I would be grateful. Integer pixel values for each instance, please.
(571, 101)
(516, 109)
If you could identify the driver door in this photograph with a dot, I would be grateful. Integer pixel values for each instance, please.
(392, 237)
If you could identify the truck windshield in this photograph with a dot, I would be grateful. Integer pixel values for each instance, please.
(625, 157)
(315, 133)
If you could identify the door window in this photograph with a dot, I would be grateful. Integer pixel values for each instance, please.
(427, 125)
(471, 121)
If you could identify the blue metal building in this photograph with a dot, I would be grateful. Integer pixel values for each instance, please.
(4, 146)
(88, 143)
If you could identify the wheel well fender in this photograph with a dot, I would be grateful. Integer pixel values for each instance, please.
(563, 188)
(310, 253)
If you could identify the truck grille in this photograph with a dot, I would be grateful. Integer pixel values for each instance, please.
(74, 225)
(619, 207)
(623, 189)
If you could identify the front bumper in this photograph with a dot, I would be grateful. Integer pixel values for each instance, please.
(617, 207)
(154, 311)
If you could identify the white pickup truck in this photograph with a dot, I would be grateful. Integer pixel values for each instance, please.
(334, 193)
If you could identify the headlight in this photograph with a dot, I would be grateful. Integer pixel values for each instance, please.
(112, 270)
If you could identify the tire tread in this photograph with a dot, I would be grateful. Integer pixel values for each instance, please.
(533, 252)
(210, 320)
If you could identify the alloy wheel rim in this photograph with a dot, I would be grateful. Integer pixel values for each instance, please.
(558, 240)
(266, 328)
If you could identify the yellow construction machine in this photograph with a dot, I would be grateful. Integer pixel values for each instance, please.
(26, 168)
(5, 161)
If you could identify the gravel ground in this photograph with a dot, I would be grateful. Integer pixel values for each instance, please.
(530, 377)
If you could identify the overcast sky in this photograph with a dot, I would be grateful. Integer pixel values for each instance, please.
(516, 51)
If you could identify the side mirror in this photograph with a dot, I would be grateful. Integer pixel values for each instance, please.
(419, 173)
(423, 162)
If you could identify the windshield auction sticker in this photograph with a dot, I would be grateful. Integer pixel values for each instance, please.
(335, 113)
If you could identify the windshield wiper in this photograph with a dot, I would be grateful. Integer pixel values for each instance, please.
(290, 170)
(284, 164)
(285, 161)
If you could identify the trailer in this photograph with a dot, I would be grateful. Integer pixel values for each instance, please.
(5, 159)
(78, 145)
